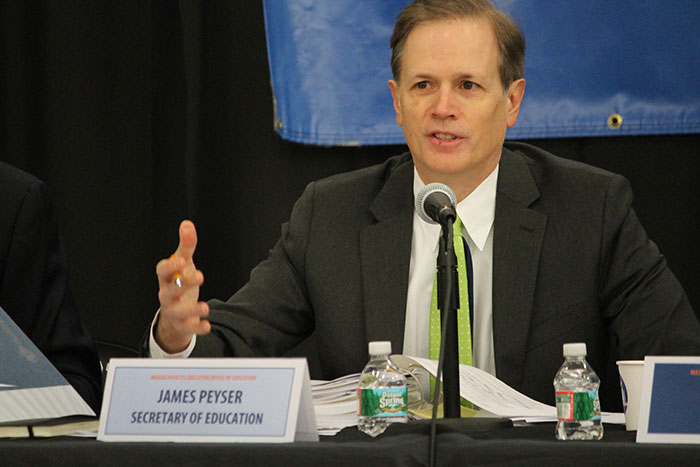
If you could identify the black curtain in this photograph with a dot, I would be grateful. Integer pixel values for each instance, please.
(141, 113)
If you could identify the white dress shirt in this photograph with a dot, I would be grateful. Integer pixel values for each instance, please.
(477, 213)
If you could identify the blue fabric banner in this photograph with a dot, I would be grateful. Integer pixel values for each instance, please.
(593, 68)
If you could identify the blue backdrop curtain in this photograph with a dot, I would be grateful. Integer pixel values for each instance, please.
(593, 68)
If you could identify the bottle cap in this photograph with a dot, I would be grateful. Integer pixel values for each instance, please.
(379, 348)
(576, 349)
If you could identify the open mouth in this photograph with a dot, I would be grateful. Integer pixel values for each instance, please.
(444, 137)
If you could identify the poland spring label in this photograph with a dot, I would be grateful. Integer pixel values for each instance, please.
(383, 402)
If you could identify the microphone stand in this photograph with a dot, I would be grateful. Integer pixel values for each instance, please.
(448, 304)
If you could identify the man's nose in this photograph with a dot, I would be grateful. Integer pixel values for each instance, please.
(444, 106)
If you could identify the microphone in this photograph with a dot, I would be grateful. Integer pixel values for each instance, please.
(435, 203)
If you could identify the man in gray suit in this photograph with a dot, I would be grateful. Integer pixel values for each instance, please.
(559, 255)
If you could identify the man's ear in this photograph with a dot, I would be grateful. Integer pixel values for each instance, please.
(394, 86)
(516, 90)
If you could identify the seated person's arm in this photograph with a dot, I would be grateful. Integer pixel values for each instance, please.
(647, 308)
(34, 287)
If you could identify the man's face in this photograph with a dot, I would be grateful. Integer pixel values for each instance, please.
(451, 103)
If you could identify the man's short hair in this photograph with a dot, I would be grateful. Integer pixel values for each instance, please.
(511, 41)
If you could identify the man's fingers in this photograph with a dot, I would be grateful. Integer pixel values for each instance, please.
(180, 268)
(167, 268)
(202, 327)
(186, 318)
(188, 288)
(178, 310)
(192, 325)
(188, 240)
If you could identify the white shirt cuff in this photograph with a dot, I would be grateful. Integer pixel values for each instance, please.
(155, 351)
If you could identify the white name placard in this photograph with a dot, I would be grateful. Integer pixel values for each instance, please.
(669, 406)
(224, 400)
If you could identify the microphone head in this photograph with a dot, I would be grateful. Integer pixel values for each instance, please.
(438, 190)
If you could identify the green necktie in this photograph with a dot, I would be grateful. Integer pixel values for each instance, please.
(464, 334)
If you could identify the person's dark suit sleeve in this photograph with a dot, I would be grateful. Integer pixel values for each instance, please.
(648, 309)
(35, 292)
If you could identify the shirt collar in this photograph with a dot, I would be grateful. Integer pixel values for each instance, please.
(477, 210)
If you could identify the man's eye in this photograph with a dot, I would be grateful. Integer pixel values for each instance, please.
(468, 85)
(422, 85)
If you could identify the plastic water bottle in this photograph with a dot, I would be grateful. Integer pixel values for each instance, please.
(382, 394)
(576, 391)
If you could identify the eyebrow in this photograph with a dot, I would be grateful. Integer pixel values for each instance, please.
(458, 77)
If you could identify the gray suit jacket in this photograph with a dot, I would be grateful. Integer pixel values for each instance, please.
(571, 263)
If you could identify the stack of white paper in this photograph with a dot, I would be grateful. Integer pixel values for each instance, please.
(335, 403)
(495, 396)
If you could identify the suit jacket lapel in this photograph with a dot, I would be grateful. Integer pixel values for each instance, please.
(386, 246)
(517, 242)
